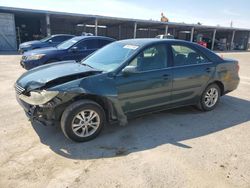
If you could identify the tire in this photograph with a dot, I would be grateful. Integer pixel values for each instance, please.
(78, 115)
(205, 103)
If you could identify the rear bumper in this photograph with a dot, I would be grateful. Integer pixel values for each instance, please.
(231, 86)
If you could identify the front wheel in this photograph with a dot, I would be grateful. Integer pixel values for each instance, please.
(210, 98)
(83, 120)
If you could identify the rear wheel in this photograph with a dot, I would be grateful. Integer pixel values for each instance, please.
(83, 120)
(210, 98)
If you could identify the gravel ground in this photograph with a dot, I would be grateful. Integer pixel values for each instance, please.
(175, 148)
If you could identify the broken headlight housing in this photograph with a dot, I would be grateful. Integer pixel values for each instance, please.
(38, 97)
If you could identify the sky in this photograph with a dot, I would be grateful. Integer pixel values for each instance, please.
(209, 12)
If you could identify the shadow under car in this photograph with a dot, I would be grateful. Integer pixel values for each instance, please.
(147, 132)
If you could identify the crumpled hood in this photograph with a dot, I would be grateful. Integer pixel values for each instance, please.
(33, 42)
(38, 77)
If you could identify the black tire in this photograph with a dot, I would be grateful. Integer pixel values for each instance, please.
(202, 103)
(70, 114)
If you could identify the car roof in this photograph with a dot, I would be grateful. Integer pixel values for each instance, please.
(147, 41)
(78, 38)
(62, 35)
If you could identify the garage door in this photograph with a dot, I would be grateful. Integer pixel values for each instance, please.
(7, 32)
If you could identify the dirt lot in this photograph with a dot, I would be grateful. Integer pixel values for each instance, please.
(175, 148)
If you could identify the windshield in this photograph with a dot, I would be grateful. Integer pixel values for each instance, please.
(45, 39)
(67, 44)
(111, 56)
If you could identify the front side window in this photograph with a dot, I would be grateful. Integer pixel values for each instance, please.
(184, 55)
(45, 39)
(91, 44)
(152, 58)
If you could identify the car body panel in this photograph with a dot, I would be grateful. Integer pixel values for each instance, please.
(144, 90)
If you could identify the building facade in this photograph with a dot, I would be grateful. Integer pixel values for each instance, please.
(20, 25)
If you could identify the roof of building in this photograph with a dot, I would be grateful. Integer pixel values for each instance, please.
(107, 18)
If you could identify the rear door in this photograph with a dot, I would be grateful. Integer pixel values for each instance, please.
(191, 73)
(151, 85)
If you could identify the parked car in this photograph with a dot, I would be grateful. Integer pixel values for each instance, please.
(76, 49)
(125, 79)
(49, 41)
(207, 42)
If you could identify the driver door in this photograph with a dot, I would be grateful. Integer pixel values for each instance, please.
(150, 85)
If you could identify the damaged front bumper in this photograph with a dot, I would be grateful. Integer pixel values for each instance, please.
(48, 113)
(36, 113)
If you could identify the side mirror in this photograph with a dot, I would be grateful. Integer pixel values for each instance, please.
(50, 41)
(129, 70)
(74, 49)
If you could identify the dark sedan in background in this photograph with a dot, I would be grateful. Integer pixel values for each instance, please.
(76, 49)
(122, 80)
(49, 41)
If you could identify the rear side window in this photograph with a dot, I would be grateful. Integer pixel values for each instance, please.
(184, 55)
(103, 42)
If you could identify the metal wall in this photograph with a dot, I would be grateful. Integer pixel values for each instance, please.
(7, 32)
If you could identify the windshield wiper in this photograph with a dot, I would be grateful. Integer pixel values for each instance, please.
(87, 65)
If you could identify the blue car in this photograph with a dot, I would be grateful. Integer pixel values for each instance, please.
(76, 49)
(49, 41)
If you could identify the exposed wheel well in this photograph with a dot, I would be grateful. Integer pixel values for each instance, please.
(99, 100)
(221, 86)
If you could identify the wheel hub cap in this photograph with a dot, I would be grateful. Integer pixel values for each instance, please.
(211, 97)
(85, 123)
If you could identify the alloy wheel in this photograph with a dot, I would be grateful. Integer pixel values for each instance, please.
(211, 97)
(85, 123)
